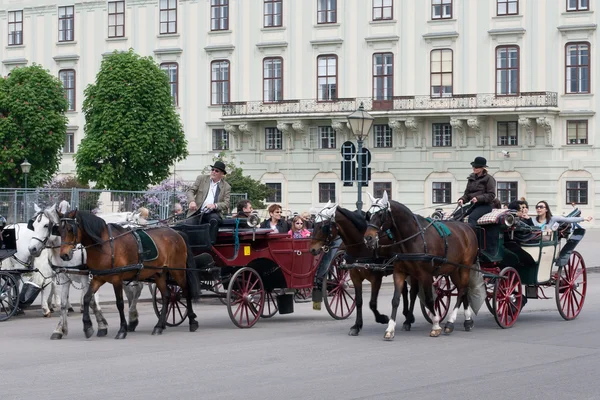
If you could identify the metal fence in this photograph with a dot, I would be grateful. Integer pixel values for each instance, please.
(17, 205)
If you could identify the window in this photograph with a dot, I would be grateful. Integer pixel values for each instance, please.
(219, 15)
(326, 11)
(577, 64)
(275, 196)
(66, 24)
(168, 16)
(15, 28)
(380, 187)
(507, 7)
(220, 139)
(507, 191)
(272, 79)
(172, 70)
(273, 139)
(577, 192)
(383, 76)
(441, 192)
(383, 136)
(578, 5)
(441, 73)
(69, 147)
(507, 70)
(67, 77)
(382, 9)
(442, 135)
(577, 132)
(116, 19)
(507, 134)
(327, 78)
(441, 9)
(272, 13)
(326, 137)
(326, 192)
(220, 82)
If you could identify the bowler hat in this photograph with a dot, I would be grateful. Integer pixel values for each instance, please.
(479, 162)
(220, 165)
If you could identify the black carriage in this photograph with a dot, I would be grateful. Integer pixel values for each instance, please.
(9, 282)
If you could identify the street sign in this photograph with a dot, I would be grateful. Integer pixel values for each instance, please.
(364, 156)
(348, 150)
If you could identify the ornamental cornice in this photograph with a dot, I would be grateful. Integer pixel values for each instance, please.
(577, 31)
(15, 61)
(88, 5)
(335, 43)
(66, 57)
(432, 36)
(168, 50)
(519, 32)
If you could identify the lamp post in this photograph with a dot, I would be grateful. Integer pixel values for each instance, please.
(360, 122)
(25, 168)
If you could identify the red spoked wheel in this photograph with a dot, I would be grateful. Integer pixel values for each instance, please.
(444, 288)
(245, 298)
(508, 297)
(571, 286)
(490, 284)
(303, 295)
(177, 310)
(271, 307)
(339, 302)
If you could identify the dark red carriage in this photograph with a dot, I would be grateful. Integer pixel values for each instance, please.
(257, 273)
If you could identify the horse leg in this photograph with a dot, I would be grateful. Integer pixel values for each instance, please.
(409, 306)
(469, 323)
(87, 322)
(118, 287)
(399, 278)
(375, 287)
(191, 314)
(46, 300)
(133, 292)
(161, 285)
(181, 278)
(357, 282)
(62, 328)
(102, 324)
(436, 329)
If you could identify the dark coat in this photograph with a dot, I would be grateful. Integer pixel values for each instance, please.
(282, 226)
(483, 187)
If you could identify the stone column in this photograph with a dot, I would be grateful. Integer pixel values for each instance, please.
(458, 126)
(476, 123)
(546, 124)
(288, 133)
(236, 135)
(247, 129)
(399, 130)
(525, 123)
(304, 132)
(412, 124)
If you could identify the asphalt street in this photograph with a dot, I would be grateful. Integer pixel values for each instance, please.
(307, 355)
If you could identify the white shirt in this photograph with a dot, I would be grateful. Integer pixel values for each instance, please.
(63, 207)
(210, 197)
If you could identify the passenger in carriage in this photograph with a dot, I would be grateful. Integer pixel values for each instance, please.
(298, 230)
(545, 220)
(522, 210)
(275, 222)
(244, 209)
(307, 220)
(213, 194)
(480, 191)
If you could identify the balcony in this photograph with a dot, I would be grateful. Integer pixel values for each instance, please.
(413, 105)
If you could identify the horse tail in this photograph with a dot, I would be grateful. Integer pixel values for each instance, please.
(192, 275)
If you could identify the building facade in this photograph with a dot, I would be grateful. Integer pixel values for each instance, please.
(273, 82)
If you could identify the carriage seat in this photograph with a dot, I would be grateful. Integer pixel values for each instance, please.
(228, 224)
(496, 216)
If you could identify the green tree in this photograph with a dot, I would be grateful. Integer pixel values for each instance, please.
(133, 133)
(32, 125)
(240, 183)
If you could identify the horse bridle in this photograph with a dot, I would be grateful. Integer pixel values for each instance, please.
(52, 229)
(328, 230)
(72, 222)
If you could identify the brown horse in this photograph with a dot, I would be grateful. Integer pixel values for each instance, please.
(333, 221)
(113, 257)
(423, 253)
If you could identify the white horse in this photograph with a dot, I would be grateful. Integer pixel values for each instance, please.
(41, 274)
(43, 238)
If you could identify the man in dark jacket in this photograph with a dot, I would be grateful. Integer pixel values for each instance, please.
(480, 191)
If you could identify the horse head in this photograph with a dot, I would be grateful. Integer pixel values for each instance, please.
(44, 225)
(324, 230)
(376, 216)
(70, 235)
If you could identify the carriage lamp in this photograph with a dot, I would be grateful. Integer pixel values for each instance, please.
(360, 122)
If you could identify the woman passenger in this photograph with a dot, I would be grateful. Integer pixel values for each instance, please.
(275, 222)
(298, 230)
(545, 219)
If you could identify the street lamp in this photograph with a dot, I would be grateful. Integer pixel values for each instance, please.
(360, 122)
(25, 167)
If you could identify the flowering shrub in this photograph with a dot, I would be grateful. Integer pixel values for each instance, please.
(163, 195)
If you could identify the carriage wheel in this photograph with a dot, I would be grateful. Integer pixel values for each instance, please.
(490, 283)
(571, 286)
(219, 289)
(339, 302)
(508, 297)
(9, 296)
(443, 287)
(177, 310)
(245, 298)
(303, 295)
(271, 307)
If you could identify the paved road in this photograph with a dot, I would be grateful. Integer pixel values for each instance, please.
(307, 355)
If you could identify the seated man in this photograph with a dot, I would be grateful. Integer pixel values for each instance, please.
(244, 209)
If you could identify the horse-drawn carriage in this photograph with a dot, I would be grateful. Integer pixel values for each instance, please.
(255, 272)
(9, 280)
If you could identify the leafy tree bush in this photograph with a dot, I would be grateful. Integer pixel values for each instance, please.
(133, 133)
(32, 125)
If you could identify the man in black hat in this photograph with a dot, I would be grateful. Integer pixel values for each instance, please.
(480, 191)
(210, 194)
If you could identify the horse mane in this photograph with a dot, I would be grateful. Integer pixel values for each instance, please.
(359, 223)
(92, 225)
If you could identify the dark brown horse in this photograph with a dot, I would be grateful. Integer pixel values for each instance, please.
(113, 257)
(423, 254)
(333, 221)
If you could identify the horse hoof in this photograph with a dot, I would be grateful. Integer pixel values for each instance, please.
(121, 335)
(354, 332)
(193, 326)
(157, 331)
(469, 325)
(56, 336)
(449, 328)
(132, 325)
(406, 326)
(88, 332)
(389, 336)
(48, 314)
(435, 332)
(102, 332)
